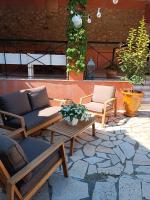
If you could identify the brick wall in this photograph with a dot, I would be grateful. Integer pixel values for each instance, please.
(47, 20)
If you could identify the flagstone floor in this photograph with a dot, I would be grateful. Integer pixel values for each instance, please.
(113, 165)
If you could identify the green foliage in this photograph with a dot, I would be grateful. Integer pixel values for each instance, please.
(77, 37)
(133, 57)
(77, 111)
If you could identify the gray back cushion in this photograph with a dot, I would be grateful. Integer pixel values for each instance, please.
(16, 102)
(103, 93)
(12, 156)
(38, 97)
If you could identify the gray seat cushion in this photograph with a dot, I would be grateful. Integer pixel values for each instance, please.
(103, 93)
(12, 156)
(35, 117)
(34, 147)
(38, 98)
(97, 107)
(16, 102)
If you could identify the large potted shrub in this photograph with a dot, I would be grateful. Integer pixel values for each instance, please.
(132, 59)
(77, 39)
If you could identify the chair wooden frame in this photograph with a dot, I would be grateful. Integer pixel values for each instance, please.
(10, 182)
(105, 112)
(40, 126)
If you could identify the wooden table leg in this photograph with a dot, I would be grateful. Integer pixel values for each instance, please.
(71, 145)
(52, 137)
(93, 129)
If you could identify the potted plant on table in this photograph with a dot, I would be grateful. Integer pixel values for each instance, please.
(132, 59)
(73, 113)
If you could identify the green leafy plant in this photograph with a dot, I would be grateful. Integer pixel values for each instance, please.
(133, 57)
(77, 111)
(77, 37)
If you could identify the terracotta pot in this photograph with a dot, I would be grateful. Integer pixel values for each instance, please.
(132, 101)
(111, 73)
(75, 76)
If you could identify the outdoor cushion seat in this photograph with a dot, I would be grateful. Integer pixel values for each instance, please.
(102, 101)
(30, 109)
(33, 147)
(35, 118)
(33, 161)
(97, 107)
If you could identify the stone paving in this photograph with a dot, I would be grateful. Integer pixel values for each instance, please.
(113, 165)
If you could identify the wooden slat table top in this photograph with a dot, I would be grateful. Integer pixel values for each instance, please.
(71, 131)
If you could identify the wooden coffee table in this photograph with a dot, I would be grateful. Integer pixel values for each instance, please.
(71, 132)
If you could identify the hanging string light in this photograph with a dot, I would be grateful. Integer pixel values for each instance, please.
(99, 14)
(115, 1)
(89, 20)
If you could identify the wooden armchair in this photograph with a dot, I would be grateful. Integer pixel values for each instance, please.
(102, 101)
(26, 165)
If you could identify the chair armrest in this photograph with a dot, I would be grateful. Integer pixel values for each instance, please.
(85, 97)
(15, 116)
(34, 163)
(110, 100)
(107, 102)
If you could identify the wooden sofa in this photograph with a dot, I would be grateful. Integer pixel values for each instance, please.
(29, 109)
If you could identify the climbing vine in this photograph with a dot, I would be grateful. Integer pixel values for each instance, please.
(77, 37)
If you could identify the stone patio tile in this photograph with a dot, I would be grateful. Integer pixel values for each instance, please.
(146, 190)
(102, 136)
(104, 164)
(78, 169)
(89, 150)
(129, 188)
(103, 149)
(96, 142)
(128, 149)
(104, 191)
(143, 177)
(120, 154)
(107, 144)
(93, 160)
(143, 169)
(117, 142)
(113, 138)
(67, 188)
(102, 155)
(129, 167)
(86, 137)
(141, 159)
(120, 137)
(78, 155)
(92, 169)
(114, 170)
(114, 159)
(129, 140)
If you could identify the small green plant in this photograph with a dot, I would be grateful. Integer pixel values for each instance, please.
(77, 37)
(74, 111)
(133, 57)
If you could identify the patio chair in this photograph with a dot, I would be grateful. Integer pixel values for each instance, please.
(27, 163)
(102, 101)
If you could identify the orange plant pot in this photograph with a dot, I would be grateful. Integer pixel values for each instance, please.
(75, 76)
(132, 102)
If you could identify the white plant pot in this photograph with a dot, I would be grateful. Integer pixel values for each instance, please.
(73, 122)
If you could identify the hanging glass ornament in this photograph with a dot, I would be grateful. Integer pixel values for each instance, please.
(99, 14)
(115, 1)
(89, 20)
(77, 21)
